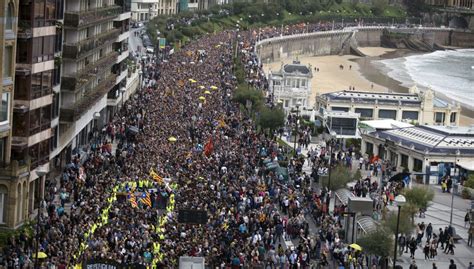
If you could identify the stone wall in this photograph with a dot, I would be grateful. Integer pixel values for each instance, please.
(347, 40)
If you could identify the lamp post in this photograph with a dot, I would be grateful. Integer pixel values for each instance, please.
(296, 126)
(40, 175)
(400, 200)
(140, 77)
(452, 190)
(331, 145)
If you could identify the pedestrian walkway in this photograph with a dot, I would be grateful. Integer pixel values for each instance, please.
(438, 214)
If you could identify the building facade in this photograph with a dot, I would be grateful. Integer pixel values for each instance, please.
(10, 187)
(429, 151)
(145, 10)
(291, 85)
(94, 70)
(468, 4)
(414, 107)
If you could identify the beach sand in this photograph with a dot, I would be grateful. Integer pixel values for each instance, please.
(363, 75)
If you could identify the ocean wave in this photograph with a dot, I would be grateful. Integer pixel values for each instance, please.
(448, 72)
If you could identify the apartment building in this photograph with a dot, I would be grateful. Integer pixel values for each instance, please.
(95, 49)
(145, 10)
(10, 171)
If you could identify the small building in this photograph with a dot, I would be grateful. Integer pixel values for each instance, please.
(291, 85)
(431, 152)
(343, 125)
(413, 107)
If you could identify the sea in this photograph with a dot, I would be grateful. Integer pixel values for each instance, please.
(449, 73)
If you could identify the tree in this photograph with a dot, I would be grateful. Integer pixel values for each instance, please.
(379, 243)
(419, 196)
(379, 6)
(415, 7)
(271, 118)
(244, 94)
(406, 225)
(340, 176)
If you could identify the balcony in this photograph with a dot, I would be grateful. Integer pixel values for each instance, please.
(86, 18)
(88, 100)
(15, 168)
(75, 81)
(24, 29)
(85, 47)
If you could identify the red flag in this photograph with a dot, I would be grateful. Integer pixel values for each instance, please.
(209, 147)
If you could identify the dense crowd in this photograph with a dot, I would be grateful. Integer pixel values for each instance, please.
(216, 162)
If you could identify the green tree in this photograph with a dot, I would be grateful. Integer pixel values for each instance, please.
(379, 242)
(406, 225)
(419, 196)
(340, 176)
(271, 119)
(379, 6)
(416, 7)
(244, 94)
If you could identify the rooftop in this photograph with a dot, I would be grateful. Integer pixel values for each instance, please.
(385, 124)
(372, 96)
(434, 139)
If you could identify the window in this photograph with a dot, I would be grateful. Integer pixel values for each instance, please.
(5, 108)
(410, 115)
(9, 18)
(387, 114)
(452, 117)
(366, 113)
(340, 108)
(7, 62)
(404, 161)
(3, 200)
(439, 117)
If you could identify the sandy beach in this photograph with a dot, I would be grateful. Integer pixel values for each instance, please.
(358, 72)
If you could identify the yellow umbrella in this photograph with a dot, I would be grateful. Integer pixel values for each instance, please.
(201, 87)
(202, 98)
(192, 80)
(207, 92)
(213, 87)
(355, 246)
(172, 139)
(41, 255)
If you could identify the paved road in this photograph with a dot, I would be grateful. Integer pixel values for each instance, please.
(438, 214)
(135, 41)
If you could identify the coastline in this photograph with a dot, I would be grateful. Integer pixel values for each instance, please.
(363, 74)
(369, 71)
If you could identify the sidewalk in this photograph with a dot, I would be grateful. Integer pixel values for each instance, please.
(438, 214)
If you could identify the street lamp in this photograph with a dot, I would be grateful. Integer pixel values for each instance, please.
(40, 175)
(452, 189)
(331, 145)
(400, 200)
(298, 104)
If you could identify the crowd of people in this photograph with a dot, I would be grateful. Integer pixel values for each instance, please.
(208, 156)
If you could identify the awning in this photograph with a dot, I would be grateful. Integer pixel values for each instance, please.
(367, 224)
(343, 195)
(468, 165)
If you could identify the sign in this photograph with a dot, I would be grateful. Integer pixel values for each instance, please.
(192, 216)
(109, 264)
(162, 42)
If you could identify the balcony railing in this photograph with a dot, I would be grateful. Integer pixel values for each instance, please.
(24, 29)
(86, 47)
(15, 168)
(76, 80)
(89, 17)
(89, 99)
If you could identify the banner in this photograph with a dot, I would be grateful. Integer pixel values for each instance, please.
(109, 264)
